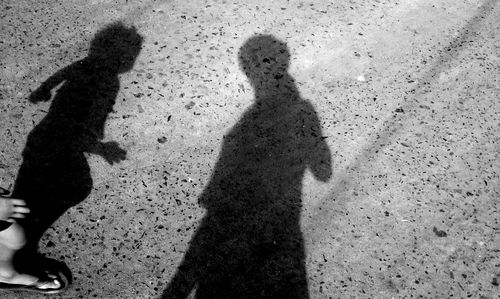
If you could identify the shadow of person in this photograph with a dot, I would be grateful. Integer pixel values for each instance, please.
(249, 244)
(54, 174)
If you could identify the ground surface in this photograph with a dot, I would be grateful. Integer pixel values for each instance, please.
(407, 97)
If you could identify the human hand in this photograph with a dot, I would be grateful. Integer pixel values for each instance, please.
(112, 152)
(12, 209)
(40, 95)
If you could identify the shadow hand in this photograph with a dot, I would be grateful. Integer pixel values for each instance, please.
(40, 95)
(112, 152)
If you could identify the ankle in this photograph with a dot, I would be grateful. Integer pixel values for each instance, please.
(7, 272)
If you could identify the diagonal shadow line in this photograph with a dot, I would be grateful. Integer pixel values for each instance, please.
(393, 126)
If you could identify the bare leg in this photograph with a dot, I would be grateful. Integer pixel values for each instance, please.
(11, 240)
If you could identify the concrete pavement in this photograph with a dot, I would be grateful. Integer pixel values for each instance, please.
(406, 94)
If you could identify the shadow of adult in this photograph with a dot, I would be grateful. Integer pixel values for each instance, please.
(249, 244)
(54, 174)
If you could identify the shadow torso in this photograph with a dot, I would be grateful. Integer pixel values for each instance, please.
(55, 174)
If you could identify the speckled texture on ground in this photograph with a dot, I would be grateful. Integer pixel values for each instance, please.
(407, 93)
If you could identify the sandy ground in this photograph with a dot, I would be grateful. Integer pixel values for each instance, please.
(406, 97)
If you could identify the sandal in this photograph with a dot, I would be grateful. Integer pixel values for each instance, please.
(39, 286)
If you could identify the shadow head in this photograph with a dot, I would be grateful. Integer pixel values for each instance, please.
(263, 58)
(116, 47)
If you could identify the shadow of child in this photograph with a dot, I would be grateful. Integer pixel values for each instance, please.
(54, 174)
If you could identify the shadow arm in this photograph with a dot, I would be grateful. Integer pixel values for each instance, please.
(321, 163)
(42, 93)
(320, 160)
(110, 151)
(85, 140)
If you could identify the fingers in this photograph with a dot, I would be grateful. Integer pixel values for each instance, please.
(17, 202)
(15, 216)
(20, 210)
(18, 215)
(19, 206)
(16, 209)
